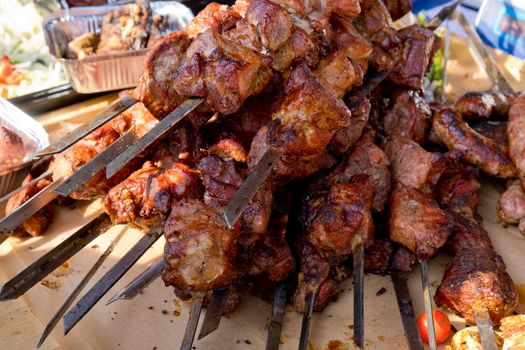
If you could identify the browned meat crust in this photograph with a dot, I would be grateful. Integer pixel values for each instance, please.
(516, 131)
(477, 279)
(489, 156)
(482, 105)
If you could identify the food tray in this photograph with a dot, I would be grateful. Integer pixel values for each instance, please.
(33, 135)
(98, 73)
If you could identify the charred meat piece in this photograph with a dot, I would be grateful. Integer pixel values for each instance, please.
(410, 116)
(290, 167)
(417, 222)
(218, 17)
(516, 132)
(416, 56)
(402, 259)
(414, 166)
(126, 28)
(366, 158)
(398, 8)
(377, 256)
(39, 222)
(344, 220)
(489, 156)
(475, 279)
(223, 71)
(483, 105)
(493, 129)
(200, 250)
(347, 137)
(156, 84)
(69, 161)
(149, 192)
(346, 37)
(511, 205)
(273, 23)
(458, 189)
(338, 73)
(467, 234)
(301, 48)
(307, 118)
(316, 275)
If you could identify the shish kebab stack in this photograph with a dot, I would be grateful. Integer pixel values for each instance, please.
(280, 84)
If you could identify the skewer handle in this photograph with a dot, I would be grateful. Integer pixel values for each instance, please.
(307, 319)
(358, 282)
(191, 326)
(428, 305)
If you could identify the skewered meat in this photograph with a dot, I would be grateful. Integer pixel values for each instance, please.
(403, 259)
(347, 137)
(125, 28)
(467, 234)
(516, 131)
(307, 118)
(200, 250)
(458, 189)
(338, 73)
(223, 71)
(215, 16)
(316, 275)
(491, 157)
(416, 56)
(377, 256)
(414, 166)
(344, 220)
(288, 168)
(511, 205)
(40, 221)
(366, 158)
(398, 8)
(149, 192)
(409, 117)
(345, 36)
(156, 84)
(476, 279)
(482, 105)
(417, 222)
(493, 129)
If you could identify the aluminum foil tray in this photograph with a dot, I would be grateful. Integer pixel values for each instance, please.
(98, 73)
(34, 136)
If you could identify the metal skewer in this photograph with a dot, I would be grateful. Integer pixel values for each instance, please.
(358, 283)
(273, 339)
(428, 304)
(62, 310)
(214, 311)
(70, 138)
(151, 136)
(191, 326)
(90, 169)
(307, 319)
(29, 184)
(140, 283)
(42, 267)
(404, 302)
(118, 270)
(486, 329)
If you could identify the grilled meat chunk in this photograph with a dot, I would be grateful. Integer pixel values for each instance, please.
(483, 105)
(409, 117)
(316, 275)
(467, 234)
(491, 157)
(218, 17)
(156, 84)
(223, 71)
(345, 36)
(307, 118)
(402, 259)
(40, 221)
(416, 55)
(475, 279)
(458, 189)
(377, 256)
(417, 222)
(200, 250)
(273, 23)
(516, 132)
(493, 129)
(398, 8)
(344, 220)
(347, 137)
(221, 178)
(511, 205)
(414, 166)
(366, 158)
(13, 149)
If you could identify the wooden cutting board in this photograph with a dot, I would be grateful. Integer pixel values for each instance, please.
(156, 319)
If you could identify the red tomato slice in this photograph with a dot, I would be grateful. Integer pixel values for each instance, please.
(441, 325)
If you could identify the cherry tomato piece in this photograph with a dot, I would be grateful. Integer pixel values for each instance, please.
(441, 325)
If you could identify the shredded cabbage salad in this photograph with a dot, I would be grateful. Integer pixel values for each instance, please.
(22, 40)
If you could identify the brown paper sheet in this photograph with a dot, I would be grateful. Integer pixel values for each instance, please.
(156, 319)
